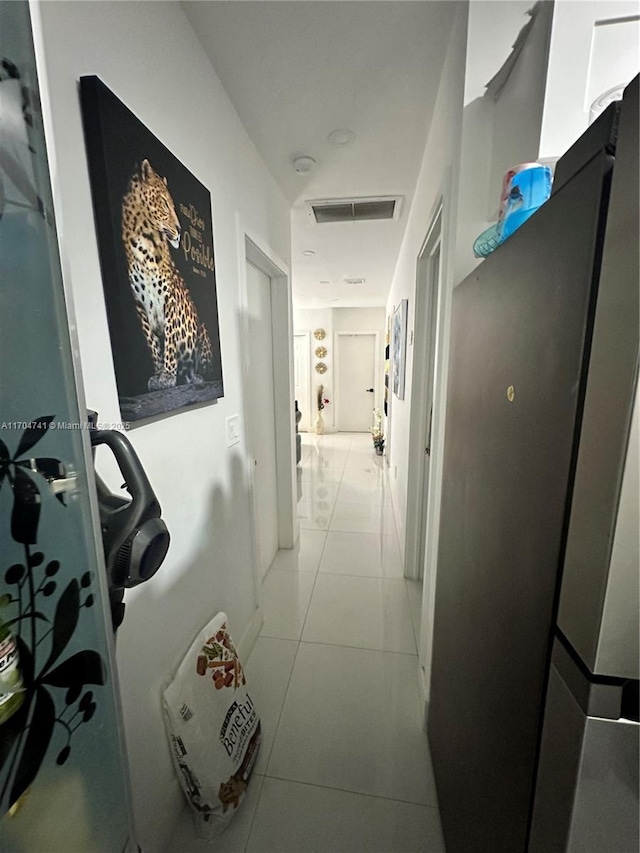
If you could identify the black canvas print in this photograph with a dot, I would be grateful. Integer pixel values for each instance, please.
(155, 236)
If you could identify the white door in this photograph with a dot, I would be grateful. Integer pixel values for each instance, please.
(261, 433)
(356, 381)
(301, 379)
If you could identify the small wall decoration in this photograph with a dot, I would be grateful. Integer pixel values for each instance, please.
(387, 347)
(321, 367)
(319, 334)
(321, 352)
(399, 348)
(155, 236)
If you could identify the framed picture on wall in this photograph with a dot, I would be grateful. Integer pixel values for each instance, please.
(399, 348)
(155, 239)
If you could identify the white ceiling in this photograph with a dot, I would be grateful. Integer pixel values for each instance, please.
(297, 70)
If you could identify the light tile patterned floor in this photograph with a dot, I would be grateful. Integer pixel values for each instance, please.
(344, 765)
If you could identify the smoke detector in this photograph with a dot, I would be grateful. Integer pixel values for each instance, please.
(304, 165)
(341, 137)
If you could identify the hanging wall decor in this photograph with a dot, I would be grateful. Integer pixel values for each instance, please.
(155, 238)
(399, 348)
(319, 334)
(321, 367)
(321, 352)
(387, 347)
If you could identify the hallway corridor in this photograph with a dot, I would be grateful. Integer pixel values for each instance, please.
(344, 765)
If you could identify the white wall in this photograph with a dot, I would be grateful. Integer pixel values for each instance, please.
(150, 57)
(492, 31)
(540, 112)
(437, 179)
(469, 143)
(497, 134)
(493, 136)
(478, 144)
(308, 320)
(358, 319)
(575, 50)
(334, 320)
(594, 46)
(518, 109)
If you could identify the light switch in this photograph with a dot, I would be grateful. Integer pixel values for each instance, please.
(233, 430)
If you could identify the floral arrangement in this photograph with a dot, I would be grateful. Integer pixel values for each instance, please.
(322, 400)
(376, 429)
(376, 432)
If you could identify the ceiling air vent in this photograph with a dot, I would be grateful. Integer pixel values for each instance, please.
(354, 209)
(354, 280)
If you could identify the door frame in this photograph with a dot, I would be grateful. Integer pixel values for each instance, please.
(255, 251)
(428, 296)
(447, 201)
(376, 369)
(309, 402)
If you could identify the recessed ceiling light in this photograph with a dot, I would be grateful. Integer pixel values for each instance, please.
(341, 137)
(308, 252)
(325, 282)
(304, 165)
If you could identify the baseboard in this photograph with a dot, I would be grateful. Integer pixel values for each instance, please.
(251, 634)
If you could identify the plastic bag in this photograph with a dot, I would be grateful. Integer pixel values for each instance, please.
(213, 728)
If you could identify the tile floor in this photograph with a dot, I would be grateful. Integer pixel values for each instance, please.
(344, 765)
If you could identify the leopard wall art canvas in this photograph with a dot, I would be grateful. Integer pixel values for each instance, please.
(155, 238)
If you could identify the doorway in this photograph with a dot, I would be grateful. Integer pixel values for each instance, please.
(269, 405)
(261, 423)
(356, 386)
(428, 297)
(301, 373)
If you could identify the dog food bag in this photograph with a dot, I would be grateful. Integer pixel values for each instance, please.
(213, 728)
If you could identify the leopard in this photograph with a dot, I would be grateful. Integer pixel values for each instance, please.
(178, 341)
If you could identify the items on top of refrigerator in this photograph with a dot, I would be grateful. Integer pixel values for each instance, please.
(525, 188)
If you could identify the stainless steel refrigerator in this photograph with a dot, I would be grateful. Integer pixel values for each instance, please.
(533, 717)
